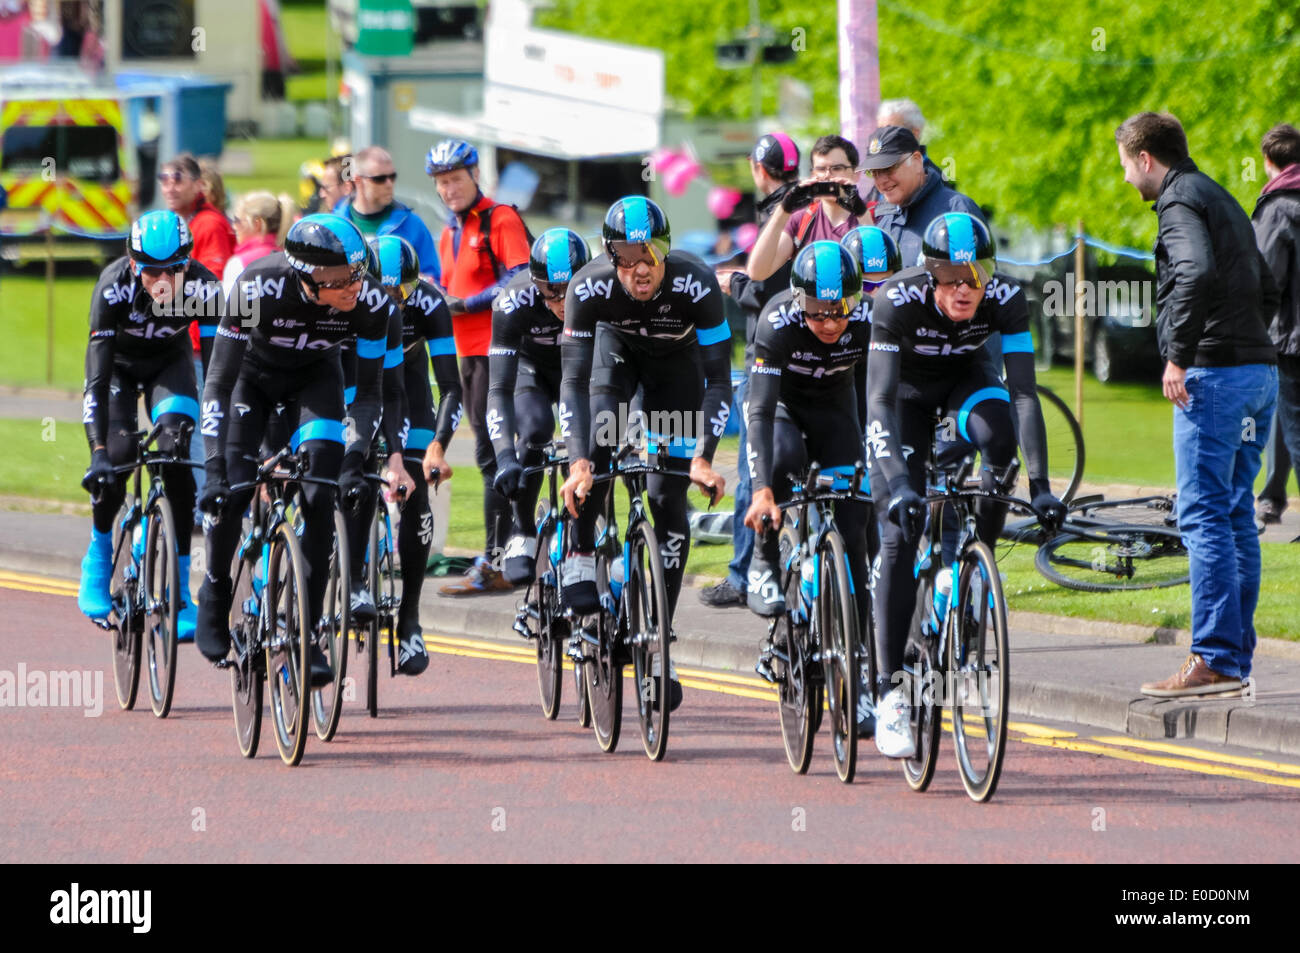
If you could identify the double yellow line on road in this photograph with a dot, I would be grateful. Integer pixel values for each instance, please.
(1119, 747)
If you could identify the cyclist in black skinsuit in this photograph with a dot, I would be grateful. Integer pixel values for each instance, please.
(652, 318)
(140, 315)
(300, 304)
(524, 381)
(928, 328)
(426, 341)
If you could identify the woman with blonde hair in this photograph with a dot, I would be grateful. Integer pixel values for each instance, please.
(261, 221)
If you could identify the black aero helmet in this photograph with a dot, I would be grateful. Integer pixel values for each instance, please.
(958, 247)
(395, 263)
(159, 239)
(777, 153)
(825, 279)
(874, 251)
(326, 249)
(635, 229)
(557, 255)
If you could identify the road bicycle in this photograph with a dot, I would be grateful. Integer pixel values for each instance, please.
(146, 590)
(816, 647)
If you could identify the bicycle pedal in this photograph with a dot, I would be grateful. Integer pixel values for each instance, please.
(224, 663)
(521, 627)
(764, 670)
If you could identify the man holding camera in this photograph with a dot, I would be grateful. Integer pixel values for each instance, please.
(824, 207)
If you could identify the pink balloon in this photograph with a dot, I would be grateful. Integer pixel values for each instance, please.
(662, 158)
(722, 201)
(680, 175)
(746, 235)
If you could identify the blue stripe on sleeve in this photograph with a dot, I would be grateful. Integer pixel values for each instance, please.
(370, 348)
(176, 404)
(393, 358)
(441, 346)
(321, 429)
(1022, 343)
(707, 336)
(349, 395)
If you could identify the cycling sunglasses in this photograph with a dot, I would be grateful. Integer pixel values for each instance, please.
(551, 290)
(836, 310)
(973, 274)
(335, 279)
(381, 179)
(631, 254)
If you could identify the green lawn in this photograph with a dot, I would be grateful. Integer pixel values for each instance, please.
(276, 164)
(1276, 615)
(304, 23)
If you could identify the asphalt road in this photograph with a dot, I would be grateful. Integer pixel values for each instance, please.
(461, 766)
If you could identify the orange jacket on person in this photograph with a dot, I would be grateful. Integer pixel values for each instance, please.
(214, 243)
(467, 269)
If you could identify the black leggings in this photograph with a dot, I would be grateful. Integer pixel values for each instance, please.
(415, 530)
(496, 508)
(975, 410)
(537, 390)
(171, 395)
(313, 402)
(672, 391)
(831, 439)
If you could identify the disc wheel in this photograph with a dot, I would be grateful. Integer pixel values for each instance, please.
(1115, 558)
(125, 622)
(799, 696)
(649, 635)
(922, 680)
(247, 671)
(603, 673)
(332, 634)
(162, 604)
(979, 671)
(287, 637)
(837, 625)
(551, 630)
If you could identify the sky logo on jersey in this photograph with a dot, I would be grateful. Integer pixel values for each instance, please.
(301, 342)
(260, 287)
(690, 285)
(374, 297)
(422, 301)
(961, 237)
(784, 316)
(1000, 290)
(519, 298)
(636, 219)
(901, 294)
(593, 289)
(118, 293)
(943, 350)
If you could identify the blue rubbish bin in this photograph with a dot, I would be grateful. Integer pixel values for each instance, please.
(194, 106)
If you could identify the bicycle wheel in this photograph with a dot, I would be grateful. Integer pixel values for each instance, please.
(923, 681)
(978, 671)
(162, 598)
(645, 596)
(247, 672)
(837, 626)
(799, 695)
(603, 673)
(287, 625)
(584, 701)
(552, 632)
(1065, 453)
(371, 638)
(385, 592)
(1156, 511)
(332, 634)
(1114, 559)
(125, 621)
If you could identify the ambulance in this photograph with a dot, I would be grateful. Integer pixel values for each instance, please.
(66, 164)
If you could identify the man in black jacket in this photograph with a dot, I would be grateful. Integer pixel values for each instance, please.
(1277, 230)
(1214, 294)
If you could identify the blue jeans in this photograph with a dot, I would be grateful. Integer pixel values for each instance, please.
(1218, 440)
(742, 537)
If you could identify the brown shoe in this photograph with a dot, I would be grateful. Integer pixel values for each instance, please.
(1194, 678)
(480, 578)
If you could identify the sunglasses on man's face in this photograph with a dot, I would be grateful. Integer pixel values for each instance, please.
(381, 179)
(352, 277)
(631, 254)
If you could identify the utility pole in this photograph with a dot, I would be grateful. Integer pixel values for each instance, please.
(859, 71)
